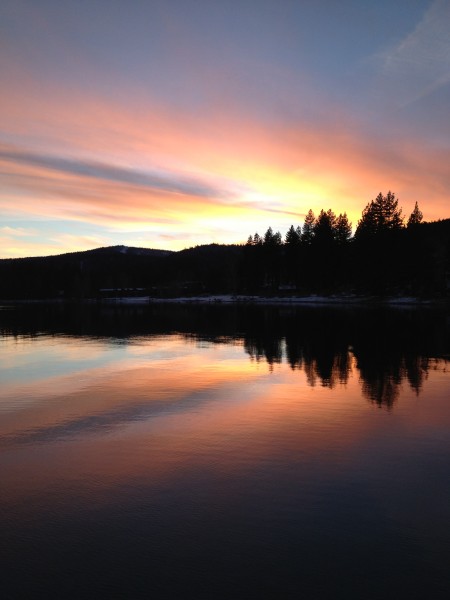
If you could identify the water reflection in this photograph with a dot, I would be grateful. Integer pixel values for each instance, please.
(214, 452)
(327, 361)
(384, 348)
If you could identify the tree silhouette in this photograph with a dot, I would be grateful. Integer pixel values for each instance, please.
(379, 216)
(324, 228)
(293, 236)
(272, 239)
(268, 237)
(277, 239)
(308, 228)
(415, 217)
(342, 229)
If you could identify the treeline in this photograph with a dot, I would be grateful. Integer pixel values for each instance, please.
(385, 255)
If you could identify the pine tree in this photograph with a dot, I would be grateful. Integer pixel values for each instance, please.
(380, 215)
(342, 229)
(272, 239)
(324, 226)
(415, 217)
(292, 236)
(308, 228)
(268, 237)
(277, 240)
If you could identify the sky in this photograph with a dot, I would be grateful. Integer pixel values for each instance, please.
(168, 124)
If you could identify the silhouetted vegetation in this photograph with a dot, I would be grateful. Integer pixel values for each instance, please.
(383, 258)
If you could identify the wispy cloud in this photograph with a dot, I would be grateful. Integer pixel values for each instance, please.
(78, 242)
(167, 182)
(108, 194)
(17, 231)
(420, 63)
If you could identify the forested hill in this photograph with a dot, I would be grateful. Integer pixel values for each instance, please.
(412, 260)
(118, 270)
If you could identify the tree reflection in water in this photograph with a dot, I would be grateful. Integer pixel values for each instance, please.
(384, 347)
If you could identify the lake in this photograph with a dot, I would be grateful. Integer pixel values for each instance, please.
(224, 452)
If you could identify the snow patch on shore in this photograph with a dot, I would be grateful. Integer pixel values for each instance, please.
(283, 300)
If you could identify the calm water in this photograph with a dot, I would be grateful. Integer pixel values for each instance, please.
(208, 452)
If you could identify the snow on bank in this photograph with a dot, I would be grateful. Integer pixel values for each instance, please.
(313, 300)
(291, 300)
(127, 300)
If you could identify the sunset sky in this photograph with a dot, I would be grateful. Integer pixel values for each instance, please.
(172, 123)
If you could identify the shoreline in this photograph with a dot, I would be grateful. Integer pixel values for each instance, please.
(230, 299)
(310, 300)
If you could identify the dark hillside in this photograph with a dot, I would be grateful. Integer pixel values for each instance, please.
(121, 270)
(81, 274)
